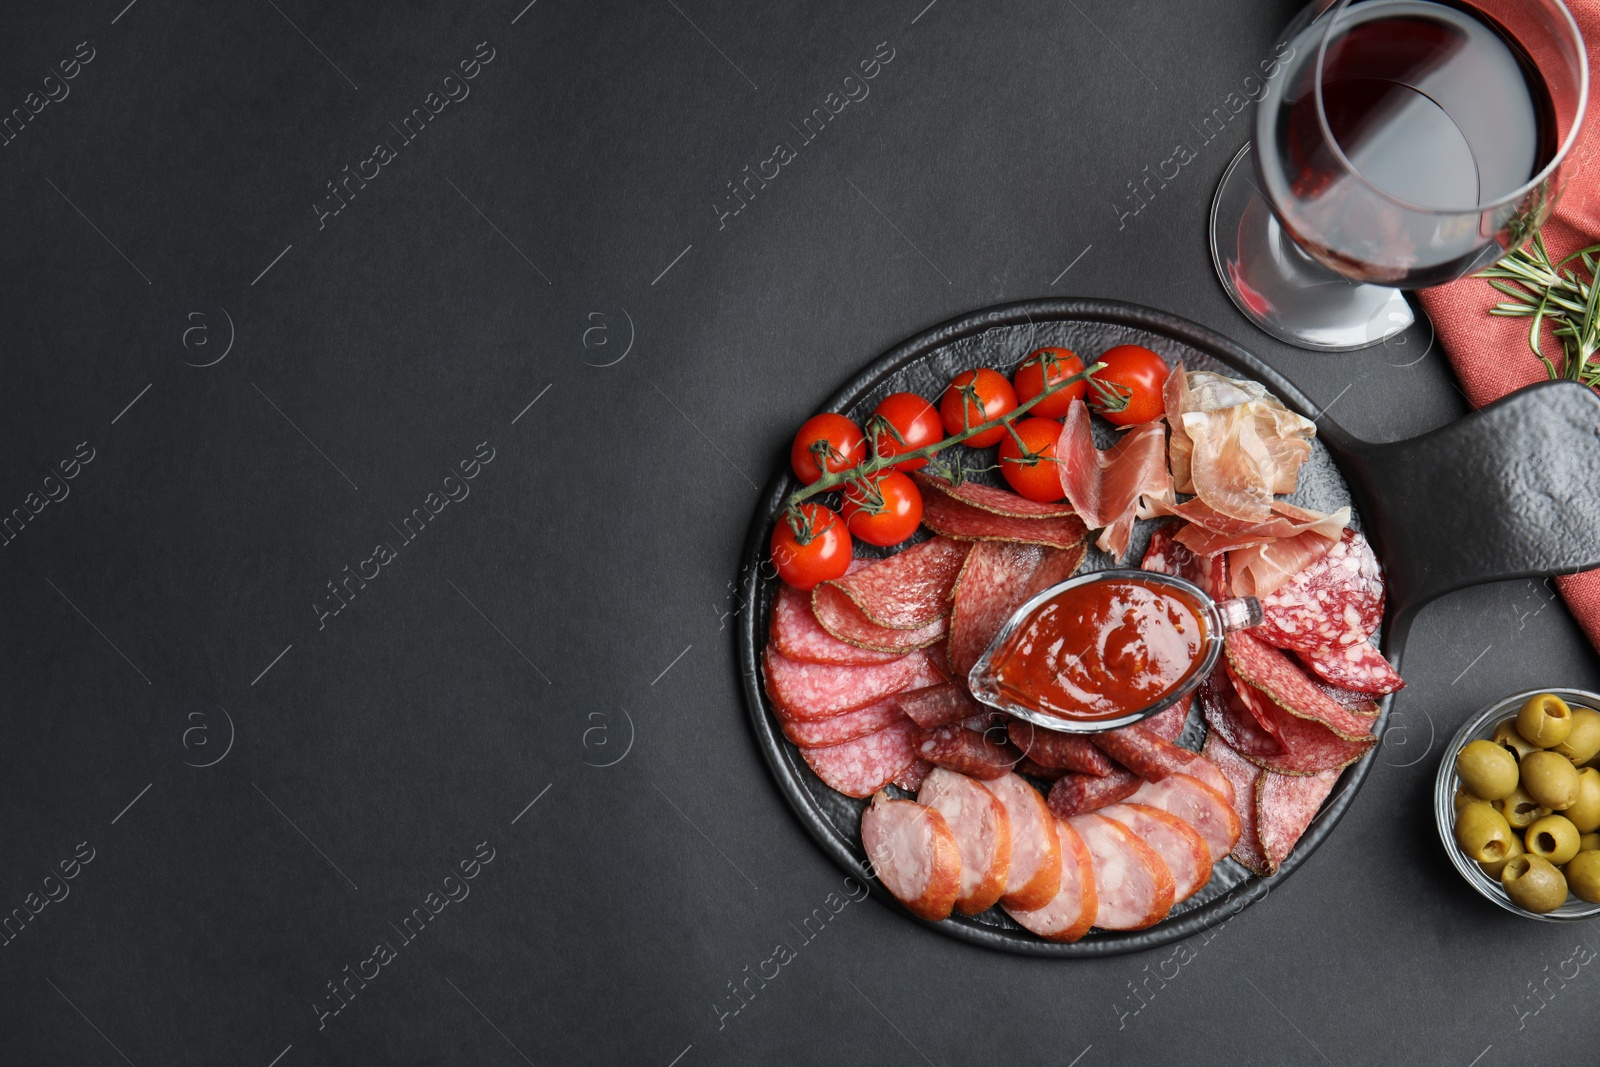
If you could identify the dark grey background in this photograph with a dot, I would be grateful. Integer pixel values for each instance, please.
(575, 609)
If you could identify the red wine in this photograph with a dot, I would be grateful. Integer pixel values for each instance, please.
(1436, 112)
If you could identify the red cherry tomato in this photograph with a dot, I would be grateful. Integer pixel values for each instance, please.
(813, 548)
(1031, 378)
(1139, 374)
(915, 420)
(994, 394)
(884, 513)
(841, 440)
(1038, 476)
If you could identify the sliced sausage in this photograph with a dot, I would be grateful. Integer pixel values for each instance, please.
(938, 705)
(1197, 804)
(1077, 794)
(967, 751)
(1179, 845)
(982, 831)
(1072, 752)
(1153, 758)
(1035, 872)
(1068, 915)
(861, 767)
(913, 854)
(1133, 887)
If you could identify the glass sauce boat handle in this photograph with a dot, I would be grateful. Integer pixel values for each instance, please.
(1240, 613)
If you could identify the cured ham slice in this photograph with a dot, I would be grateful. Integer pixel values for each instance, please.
(1285, 807)
(1307, 746)
(982, 830)
(993, 583)
(1244, 775)
(1077, 794)
(1153, 758)
(1197, 804)
(1237, 444)
(1133, 887)
(1209, 532)
(1071, 911)
(946, 512)
(968, 751)
(806, 691)
(861, 767)
(846, 726)
(1034, 876)
(907, 591)
(1358, 667)
(797, 634)
(1179, 845)
(914, 855)
(1335, 602)
(1107, 488)
(1072, 752)
(1271, 672)
(938, 705)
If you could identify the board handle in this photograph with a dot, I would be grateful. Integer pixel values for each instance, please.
(1510, 491)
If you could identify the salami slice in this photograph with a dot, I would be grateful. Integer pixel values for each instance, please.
(1285, 806)
(914, 855)
(1070, 912)
(950, 517)
(1361, 704)
(1034, 875)
(1308, 746)
(840, 617)
(797, 634)
(1154, 759)
(982, 830)
(846, 726)
(1285, 684)
(994, 501)
(1077, 794)
(1358, 667)
(907, 591)
(1197, 804)
(1335, 602)
(1230, 718)
(938, 705)
(912, 777)
(861, 767)
(993, 583)
(959, 749)
(1132, 885)
(1179, 845)
(1071, 752)
(1169, 724)
(1243, 774)
(808, 691)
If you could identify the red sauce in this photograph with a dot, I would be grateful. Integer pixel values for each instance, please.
(1102, 649)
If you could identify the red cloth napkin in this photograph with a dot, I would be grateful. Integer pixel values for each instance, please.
(1490, 354)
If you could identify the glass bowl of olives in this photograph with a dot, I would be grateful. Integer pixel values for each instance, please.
(1517, 802)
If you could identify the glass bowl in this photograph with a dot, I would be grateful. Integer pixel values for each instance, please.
(1482, 725)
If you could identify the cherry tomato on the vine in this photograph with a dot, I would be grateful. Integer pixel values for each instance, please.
(915, 420)
(841, 440)
(1139, 374)
(885, 511)
(995, 396)
(1031, 379)
(811, 547)
(1036, 476)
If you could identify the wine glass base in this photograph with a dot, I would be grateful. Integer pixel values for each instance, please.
(1283, 290)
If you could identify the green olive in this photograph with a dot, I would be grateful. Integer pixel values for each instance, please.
(1463, 798)
(1551, 779)
(1483, 833)
(1506, 736)
(1520, 809)
(1583, 741)
(1487, 770)
(1493, 869)
(1589, 843)
(1583, 875)
(1554, 838)
(1585, 814)
(1545, 720)
(1534, 884)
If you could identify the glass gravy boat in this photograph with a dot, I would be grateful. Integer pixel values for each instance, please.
(987, 677)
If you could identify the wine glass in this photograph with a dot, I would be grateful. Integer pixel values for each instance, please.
(1400, 144)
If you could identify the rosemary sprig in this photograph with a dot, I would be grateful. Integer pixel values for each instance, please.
(1548, 291)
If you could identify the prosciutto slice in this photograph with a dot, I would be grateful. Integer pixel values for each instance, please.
(1109, 489)
(1239, 445)
(1210, 532)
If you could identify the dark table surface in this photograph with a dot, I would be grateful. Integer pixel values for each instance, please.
(253, 782)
